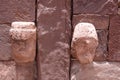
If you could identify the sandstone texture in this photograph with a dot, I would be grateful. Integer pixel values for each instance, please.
(114, 38)
(99, 21)
(7, 70)
(95, 71)
(5, 45)
(25, 71)
(95, 7)
(119, 11)
(84, 42)
(53, 39)
(101, 51)
(23, 35)
(17, 10)
(119, 3)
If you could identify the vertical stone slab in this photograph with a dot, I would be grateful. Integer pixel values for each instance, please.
(25, 71)
(114, 38)
(101, 51)
(53, 39)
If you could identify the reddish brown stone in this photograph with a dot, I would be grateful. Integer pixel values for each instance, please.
(95, 6)
(5, 45)
(17, 10)
(8, 70)
(101, 51)
(95, 71)
(100, 22)
(53, 39)
(114, 38)
(25, 71)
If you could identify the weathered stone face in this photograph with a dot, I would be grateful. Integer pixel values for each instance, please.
(5, 45)
(114, 38)
(95, 71)
(84, 42)
(17, 10)
(23, 36)
(99, 21)
(8, 70)
(53, 39)
(95, 7)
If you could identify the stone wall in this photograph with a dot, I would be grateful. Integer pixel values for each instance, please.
(55, 21)
(104, 15)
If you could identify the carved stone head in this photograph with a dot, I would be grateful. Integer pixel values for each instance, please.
(84, 42)
(23, 35)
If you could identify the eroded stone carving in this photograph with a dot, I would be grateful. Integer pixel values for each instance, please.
(84, 42)
(23, 36)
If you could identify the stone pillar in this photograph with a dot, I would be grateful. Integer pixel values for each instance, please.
(84, 42)
(23, 35)
(53, 39)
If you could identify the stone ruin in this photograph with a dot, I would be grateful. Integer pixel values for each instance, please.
(59, 40)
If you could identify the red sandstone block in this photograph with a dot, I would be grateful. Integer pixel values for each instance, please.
(95, 6)
(5, 45)
(101, 51)
(114, 38)
(100, 22)
(17, 10)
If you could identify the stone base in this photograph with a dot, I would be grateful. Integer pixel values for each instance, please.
(95, 71)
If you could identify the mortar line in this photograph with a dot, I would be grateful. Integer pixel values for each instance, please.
(71, 19)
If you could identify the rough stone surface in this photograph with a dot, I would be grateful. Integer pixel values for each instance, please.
(17, 10)
(114, 38)
(7, 70)
(119, 3)
(99, 21)
(5, 45)
(95, 71)
(25, 71)
(53, 39)
(95, 6)
(23, 35)
(119, 11)
(84, 42)
(101, 51)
